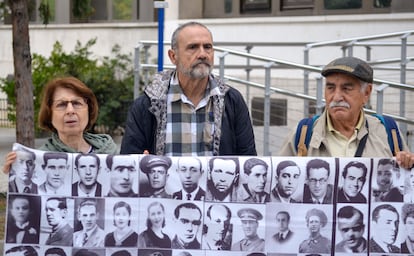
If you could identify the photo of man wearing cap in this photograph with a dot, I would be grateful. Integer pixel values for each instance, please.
(156, 169)
(249, 218)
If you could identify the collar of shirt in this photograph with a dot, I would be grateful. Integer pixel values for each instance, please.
(52, 190)
(193, 194)
(383, 245)
(175, 93)
(318, 201)
(83, 194)
(20, 185)
(89, 233)
(340, 145)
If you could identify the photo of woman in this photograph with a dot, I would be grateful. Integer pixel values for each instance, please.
(123, 235)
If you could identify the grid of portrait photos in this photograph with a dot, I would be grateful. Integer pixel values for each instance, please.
(120, 205)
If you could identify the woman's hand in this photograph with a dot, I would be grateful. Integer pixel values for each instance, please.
(10, 158)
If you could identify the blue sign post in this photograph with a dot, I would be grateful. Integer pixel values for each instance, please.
(160, 5)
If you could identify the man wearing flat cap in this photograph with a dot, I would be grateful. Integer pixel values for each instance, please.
(156, 169)
(343, 129)
(249, 218)
(316, 243)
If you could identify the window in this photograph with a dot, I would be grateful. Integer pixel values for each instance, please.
(296, 4)
(255, 6)
(342, 4)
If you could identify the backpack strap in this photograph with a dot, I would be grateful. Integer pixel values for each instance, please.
(304, 134)
(394, 137)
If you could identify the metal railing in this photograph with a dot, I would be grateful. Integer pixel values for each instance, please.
(143, 69)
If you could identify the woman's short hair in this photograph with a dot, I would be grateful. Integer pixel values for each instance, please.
(71, 83)
(121, 204)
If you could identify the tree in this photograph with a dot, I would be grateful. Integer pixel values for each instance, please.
(22, 72)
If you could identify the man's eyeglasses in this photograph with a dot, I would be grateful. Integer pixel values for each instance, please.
(61, 105)
(354, 229)
(194, 222)
(321, 181)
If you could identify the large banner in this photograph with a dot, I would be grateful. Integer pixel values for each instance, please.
(109, 205)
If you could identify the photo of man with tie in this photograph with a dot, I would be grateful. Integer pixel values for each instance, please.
(57, 218)
(190, 171)
(282, 224)
(22, 171)
(91, 234)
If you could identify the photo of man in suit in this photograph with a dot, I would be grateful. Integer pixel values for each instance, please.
(407, 216)
(87, 167)
(284, 233)
(222, 179)
(386, 190)
(190, 171)
(216, 227)
(354, 176)
(384, 229)
(287, 176)
(57, 217)
(156, 169)
(317, 190)
(23, 219)
(351, 226)
(91, 235)
(187, 219)
(123, 172)
(23, 169)
(253, 191)
(55, 165)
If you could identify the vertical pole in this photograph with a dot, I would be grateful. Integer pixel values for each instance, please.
(161, 5)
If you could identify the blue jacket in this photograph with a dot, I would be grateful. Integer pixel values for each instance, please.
(146, 121)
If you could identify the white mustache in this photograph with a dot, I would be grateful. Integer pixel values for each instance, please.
(335, 104)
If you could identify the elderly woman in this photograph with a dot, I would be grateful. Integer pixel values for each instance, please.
(69, 109)
(153, 237)
(123, 235)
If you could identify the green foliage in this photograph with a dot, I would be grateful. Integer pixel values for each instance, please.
(82, 9)
(110, 78)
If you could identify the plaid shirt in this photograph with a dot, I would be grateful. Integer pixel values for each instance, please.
(189, 128)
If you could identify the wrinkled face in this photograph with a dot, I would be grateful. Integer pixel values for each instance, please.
(69, 118)
(344, 98)
(354, 181)
(282, 222)
(386, 227)
(122, 174)
(351, 230)
(190, 173)
(288, 180)
(188, 223)
(250, 227)
(54, 214)
(409, 227)
(20, 210)
(194, 56)
(218, 223)
(384, 175)
(318, 182)
(55, 172)
(24, 166)
(87, 216)
(87, 170)
(314, 224)
(257, 178)
(156, 215)
(121, 217)
(157, 177)
(223, 174)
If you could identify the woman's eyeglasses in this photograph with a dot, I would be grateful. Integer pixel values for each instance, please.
(61, 105)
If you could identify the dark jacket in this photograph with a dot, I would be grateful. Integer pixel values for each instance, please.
(146, 121)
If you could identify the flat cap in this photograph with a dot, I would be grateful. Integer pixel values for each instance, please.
(249, 214)
(150, 161)
(351, 66)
